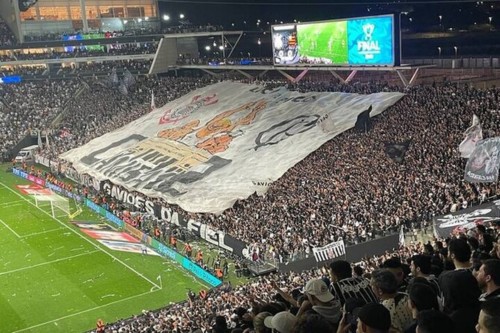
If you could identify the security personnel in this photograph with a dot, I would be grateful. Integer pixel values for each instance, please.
(199, 257)
(157, 233)
(219, 274)
(188, 249)
(100, 326)
(173, 241)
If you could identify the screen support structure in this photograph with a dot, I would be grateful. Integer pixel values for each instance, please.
(400, 71)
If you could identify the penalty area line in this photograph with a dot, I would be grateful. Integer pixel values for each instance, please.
(83, 237)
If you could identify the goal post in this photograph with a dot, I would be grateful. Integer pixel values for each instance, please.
(57, 205)
(77, 209)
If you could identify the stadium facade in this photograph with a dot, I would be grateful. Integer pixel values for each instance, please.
(32, 18)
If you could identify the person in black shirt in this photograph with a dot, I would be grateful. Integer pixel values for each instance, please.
(460, 288)
(488, 278)
(433, 321)
(421, 267)
(395, 266)
(344, 286)
(489, 317)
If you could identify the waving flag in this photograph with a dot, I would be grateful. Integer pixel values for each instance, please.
(153, 105)
(482, 166)
(473, 135)
(40, 140)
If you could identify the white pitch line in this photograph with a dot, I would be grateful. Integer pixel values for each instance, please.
(46, 263)
(84, 311)
(11, 230)
(83, 237)
(10, 203)
(41, 232)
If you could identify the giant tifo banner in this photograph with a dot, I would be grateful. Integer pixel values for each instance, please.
(221, 143)
(356, 41)
(466, 219)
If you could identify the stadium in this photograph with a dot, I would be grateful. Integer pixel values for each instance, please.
(189, 167)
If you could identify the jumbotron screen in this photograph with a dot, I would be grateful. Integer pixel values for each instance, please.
(364, 41)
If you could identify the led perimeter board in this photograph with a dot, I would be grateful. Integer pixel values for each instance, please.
(361, 41)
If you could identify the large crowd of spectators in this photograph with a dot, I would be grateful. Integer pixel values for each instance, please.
(77, 52)
(82, 69)
(153, 29)
(450, 285)
(299, 211)
(7, 38)
(30, 106)
(348, 189)
(328, 196)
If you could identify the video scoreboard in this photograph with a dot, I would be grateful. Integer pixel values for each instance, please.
(363, 41)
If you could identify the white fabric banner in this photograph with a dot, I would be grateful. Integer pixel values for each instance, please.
(221, 143)
(472, 135)
(330, 251)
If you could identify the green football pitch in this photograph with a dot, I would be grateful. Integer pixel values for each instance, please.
(54, 278)
(324, 40)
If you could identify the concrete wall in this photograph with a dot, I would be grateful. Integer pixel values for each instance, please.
(8, 10)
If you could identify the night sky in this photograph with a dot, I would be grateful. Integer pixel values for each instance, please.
(422, 15)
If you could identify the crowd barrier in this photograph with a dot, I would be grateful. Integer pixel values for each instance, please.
(161, 248)
(353, 254)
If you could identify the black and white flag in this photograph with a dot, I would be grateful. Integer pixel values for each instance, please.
(483, 163)
(397, 151)
(473, 135)
(330, 251)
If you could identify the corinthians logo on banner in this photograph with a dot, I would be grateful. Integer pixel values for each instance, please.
(368, 46)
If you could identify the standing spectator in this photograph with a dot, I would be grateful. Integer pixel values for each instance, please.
(485, 239)
(395, 266)
(385, 286)
(422, 297)
(421, 266)
(460, 288)
(433, 321)
(489, 317)
(345, 286)
(220, 325)
(374, 318)
(282, 322)
(321, 300)
(488, 278)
